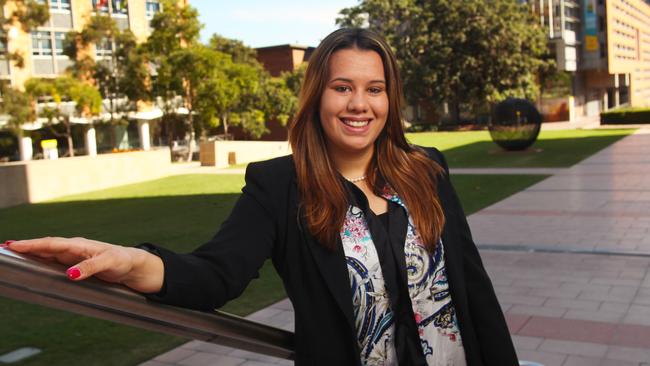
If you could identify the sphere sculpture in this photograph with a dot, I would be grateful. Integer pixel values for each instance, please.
(515, 124)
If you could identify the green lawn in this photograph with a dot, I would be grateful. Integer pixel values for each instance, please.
(179, 212)
(475, 149)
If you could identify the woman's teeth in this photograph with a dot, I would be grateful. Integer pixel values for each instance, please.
(355, 123)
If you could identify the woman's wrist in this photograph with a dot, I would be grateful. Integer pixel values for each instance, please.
(148, 272)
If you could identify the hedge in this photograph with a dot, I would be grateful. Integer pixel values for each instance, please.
(623, 116)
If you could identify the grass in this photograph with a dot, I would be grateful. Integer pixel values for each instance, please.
(179, 212)
(475, 149)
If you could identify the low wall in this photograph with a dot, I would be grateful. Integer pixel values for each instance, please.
(40, 180)
(217, 153)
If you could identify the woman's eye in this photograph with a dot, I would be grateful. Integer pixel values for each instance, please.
(342, 88)
(375, 90)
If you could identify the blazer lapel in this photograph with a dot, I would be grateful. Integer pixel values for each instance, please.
(332, 265)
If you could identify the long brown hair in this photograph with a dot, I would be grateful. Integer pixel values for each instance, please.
(406, 169)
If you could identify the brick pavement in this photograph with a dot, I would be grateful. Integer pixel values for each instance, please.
(570, 261)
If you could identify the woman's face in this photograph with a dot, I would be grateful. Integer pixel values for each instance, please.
(354, 104)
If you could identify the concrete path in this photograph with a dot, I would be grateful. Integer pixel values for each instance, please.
(570, 261)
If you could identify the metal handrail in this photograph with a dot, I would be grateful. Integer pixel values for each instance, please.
(32, 280)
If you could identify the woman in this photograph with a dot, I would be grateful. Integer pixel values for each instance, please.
(364, 229)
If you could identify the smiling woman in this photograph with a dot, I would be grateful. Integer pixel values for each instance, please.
(364, 229)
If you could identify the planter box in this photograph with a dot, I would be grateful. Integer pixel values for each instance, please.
(222, 154)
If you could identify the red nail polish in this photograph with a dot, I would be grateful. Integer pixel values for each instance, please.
(8, 242)
(73, 273)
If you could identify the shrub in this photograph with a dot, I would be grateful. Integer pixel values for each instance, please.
(626, 115)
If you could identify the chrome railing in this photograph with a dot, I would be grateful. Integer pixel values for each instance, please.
(31, 280)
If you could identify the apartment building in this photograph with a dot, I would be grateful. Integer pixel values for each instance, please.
(42, 49)
(42, 52)
(605, 45)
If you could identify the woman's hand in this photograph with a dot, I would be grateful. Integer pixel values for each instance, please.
(135, 268)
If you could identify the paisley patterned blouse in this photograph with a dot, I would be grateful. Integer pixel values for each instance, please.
(428, 290)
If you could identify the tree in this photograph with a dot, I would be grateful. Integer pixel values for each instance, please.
(194, 65)
(85, 97)
(121, 79)
(470, 52)
(174, 28)
(238, 51)
(18, 106)
(28, 14)
(226, 94)
(293, 79)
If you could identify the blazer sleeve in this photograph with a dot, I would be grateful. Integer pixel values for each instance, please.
(495, 343)
(220, 269)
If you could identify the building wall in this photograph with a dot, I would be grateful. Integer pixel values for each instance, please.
(612, 48)
(277, 59)
(628, 42)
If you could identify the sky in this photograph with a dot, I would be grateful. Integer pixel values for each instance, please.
(260, 23)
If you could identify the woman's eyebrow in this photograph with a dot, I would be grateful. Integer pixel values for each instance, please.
(350, 80)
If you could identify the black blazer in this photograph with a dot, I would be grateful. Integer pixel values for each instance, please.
(265, 223)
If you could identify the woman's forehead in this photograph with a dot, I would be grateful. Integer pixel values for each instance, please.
(354, 64)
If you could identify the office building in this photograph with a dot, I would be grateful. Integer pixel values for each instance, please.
(605, 45)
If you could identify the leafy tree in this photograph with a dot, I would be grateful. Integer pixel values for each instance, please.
(239, 52)
(194, 64)
(29, 14)
(121, 78)
(174, 28)
(470, 52)
(241, 94)
(226, 94)
(293, 79)
(85, 97)
(18, 106)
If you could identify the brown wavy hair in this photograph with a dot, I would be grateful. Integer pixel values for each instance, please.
(405, 168)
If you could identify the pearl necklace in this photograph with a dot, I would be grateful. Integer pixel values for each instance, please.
(354, 180)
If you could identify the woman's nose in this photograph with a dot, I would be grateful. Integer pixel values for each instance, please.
(358, 102)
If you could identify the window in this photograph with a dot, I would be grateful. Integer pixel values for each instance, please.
(104, 48)
(3, 43)
(42, 43)
(100, 6)
(63, 5)
(152, 7)
(59, 37)
(119, 6)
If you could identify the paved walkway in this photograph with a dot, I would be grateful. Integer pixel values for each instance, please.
(570, 261)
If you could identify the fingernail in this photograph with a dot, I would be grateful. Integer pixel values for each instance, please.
(73, 273)
(8, 242)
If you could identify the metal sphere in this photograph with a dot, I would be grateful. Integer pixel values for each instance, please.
(515, 124)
